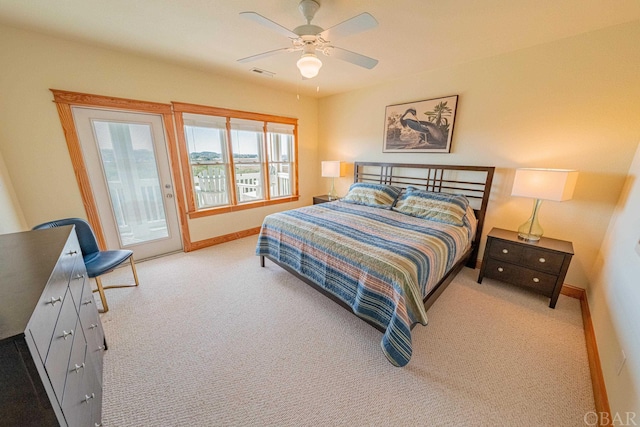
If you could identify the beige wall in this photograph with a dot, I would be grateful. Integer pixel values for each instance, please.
(614, 299)
(34, 148)
(11, 218)
(574, 104)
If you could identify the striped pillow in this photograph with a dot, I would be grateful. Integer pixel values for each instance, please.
(440, 207)
(374, 195)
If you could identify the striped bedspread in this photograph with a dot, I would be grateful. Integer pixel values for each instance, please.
(380, 262)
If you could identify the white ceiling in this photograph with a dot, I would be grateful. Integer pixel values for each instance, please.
(412, 36)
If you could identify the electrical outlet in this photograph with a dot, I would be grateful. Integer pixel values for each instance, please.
(620, 365)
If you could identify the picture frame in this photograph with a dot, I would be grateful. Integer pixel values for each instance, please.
(421, 126)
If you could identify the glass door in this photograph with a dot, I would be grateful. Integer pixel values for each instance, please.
(128, 168)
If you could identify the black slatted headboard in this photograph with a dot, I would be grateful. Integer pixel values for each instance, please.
(474, 182)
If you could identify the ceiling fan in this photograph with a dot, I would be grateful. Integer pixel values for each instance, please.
(310, 39)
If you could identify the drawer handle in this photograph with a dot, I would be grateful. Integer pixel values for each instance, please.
(101, 348)
(93, 326)
(500, 269)
(88, 397)
(97, 425)
(53, 300)
(78, 367)
(505, 251)
(79, 276)
(87, 301)
(72, 253)
(66, 334)
(536, 280)
(542, 260)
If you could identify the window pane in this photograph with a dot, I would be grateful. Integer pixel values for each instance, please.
(206, 142)
(280, 144)
(249, 182)
(210, 183)
(246, 141)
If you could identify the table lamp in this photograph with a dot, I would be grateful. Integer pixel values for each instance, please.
(331, 169)
(541, 184)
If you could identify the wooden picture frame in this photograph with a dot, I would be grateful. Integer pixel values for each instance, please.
(420, 126)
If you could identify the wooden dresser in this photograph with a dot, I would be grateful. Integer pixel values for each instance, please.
(51, 338)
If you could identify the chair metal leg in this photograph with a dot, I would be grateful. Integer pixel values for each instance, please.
(133, 268)
(103, 298)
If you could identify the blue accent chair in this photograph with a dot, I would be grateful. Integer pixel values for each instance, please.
(97, 262)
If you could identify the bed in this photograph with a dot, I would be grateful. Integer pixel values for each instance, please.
(390, 247)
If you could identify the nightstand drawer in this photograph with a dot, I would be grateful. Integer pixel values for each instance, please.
(526, 256)
(507, 251)
(548, 261)
(506, 272)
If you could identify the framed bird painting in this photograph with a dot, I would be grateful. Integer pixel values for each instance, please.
(421, 126)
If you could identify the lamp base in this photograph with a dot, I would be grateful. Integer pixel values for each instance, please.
(332, 193)
(531, 231)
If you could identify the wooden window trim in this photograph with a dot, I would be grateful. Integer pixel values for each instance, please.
(183, 151)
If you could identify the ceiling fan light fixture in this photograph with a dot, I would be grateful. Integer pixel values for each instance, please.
(309, 65)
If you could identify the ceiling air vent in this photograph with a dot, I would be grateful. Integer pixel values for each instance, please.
(262, 72)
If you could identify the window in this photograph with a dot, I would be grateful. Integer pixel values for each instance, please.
(234, 159)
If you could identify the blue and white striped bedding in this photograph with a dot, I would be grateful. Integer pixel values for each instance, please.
(380, 262)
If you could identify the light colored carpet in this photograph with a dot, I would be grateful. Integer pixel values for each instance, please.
(210, 338)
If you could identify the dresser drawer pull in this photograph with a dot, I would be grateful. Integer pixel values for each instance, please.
(97, 425)
(66, 334)
(93, 326)
(79, 276)
(542, 260)
(500, 269)
(88, 397)
(505, 251)
(101, 348)
(78, 367)
(71, 253)
(536, 280)
(53, 300)
(87, 301)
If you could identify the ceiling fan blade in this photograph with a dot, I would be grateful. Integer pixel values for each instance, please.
(354, 58)
(256, 17)
(355, 25)
(266, 54)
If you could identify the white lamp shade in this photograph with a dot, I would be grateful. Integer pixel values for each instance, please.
(309, 65)
(331, 169)
(545, 184)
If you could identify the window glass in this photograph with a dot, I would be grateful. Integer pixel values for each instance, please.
(280, 138)
(206, 142)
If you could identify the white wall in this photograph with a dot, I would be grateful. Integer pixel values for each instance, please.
(33, 144)
(614, 299)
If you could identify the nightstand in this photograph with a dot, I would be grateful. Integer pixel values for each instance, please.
(321, 199)
(540, 266)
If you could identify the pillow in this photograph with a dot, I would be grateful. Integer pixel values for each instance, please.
(375, 195)
(440, 207)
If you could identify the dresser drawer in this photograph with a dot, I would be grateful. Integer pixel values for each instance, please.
(60, 350)
(76, 283)
(76, 411)
(93, 331)
(506, 272)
